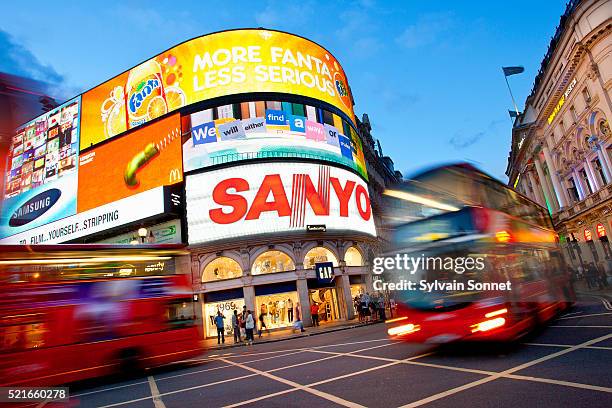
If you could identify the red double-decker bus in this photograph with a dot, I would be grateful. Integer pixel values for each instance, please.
(69, 313)
(511, 274)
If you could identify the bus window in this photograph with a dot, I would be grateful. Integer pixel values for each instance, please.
(179, 313)
(24, 335)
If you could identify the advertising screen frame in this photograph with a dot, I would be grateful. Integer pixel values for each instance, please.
(344, 104)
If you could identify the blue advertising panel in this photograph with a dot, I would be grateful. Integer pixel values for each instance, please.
(41, 179)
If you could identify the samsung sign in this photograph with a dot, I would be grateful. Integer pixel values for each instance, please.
(34, 207)
(115, 214)
(275, 198)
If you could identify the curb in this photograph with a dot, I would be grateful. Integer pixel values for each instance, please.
(298, 336)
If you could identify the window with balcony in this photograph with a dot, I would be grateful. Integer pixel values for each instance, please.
(599, 171)
(586, 95)
(572, 190)
(586, 181)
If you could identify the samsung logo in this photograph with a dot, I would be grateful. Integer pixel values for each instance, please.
(35, 207)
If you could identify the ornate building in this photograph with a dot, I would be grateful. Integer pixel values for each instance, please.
(561, 152)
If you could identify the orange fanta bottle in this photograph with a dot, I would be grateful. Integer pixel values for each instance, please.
(145, 98)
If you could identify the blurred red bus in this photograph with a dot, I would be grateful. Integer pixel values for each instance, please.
(69, 313)
(464, 214)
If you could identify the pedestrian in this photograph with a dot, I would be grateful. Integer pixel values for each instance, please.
(220, 327)
(314, 312)
(591, 275)
(262, 325)
(381, 307)
(365, 309)
(249, 326)
(236, 326)
(373, 306)
(298, 318)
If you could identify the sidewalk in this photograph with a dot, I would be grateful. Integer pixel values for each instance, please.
(286, 334)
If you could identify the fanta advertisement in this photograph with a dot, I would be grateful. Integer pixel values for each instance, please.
(139, 161)
(273, 134)
(216, 65)
(272, 198)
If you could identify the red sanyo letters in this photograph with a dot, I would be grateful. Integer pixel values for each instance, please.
(303, 191)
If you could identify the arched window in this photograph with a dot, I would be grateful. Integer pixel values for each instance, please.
(353, 257)
(221, 268)
(319, 254)
(272, 261)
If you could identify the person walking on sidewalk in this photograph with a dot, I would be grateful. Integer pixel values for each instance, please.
(220, 327)
(236, 326)
(262, 325)
(298, 318)
(314, 311)
(249, 326)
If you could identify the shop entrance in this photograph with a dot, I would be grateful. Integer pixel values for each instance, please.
(327, 301)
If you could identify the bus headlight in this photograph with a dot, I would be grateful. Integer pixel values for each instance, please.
(403, 329)
(488, 325)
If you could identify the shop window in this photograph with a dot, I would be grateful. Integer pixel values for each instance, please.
(226, 307)
(276, 310)
(317, 255)
(221, 268)
(271, 262)
(353, 257)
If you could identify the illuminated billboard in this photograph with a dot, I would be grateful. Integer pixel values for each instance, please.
(275, 199)
(215, 65)
(267, 129)
(41, 172)
(147, 158)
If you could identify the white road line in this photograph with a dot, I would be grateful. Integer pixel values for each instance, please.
(485, 380)
(298, 386)
(570, 314)
(192, 372)
(559, 382)
(585, 327)
(581, 316)
(313, 348)
(336, 355)
(157, 401)
(603, 300)
(567, 345)
(117, 404)
(108, 389)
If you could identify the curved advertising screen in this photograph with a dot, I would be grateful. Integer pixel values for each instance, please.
(215, 65)
(269, 129)
(275, 199)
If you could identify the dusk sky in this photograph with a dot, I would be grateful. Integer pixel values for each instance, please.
(427, 73)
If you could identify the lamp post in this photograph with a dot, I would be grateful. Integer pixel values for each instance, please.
(142, 233)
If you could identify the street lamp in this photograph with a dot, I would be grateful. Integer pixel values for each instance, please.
(142, 233)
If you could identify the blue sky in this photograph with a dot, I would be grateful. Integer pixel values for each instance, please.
(427, 73)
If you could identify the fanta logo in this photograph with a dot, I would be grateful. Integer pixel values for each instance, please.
(342, 91)
(137, 98)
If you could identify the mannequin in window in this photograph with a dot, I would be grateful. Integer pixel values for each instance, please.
(289, 310)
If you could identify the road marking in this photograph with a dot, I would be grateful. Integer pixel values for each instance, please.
(573, 313)
(297, 365)
(192, 372)
(603, 300)
(588, 315)
(157, 401)
(108, 389)
(567, 345)
(485, 380)
(117, 404)
(586, 327)
(298, 386)
(559, 382)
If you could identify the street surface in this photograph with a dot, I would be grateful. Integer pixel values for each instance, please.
(565, 365)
